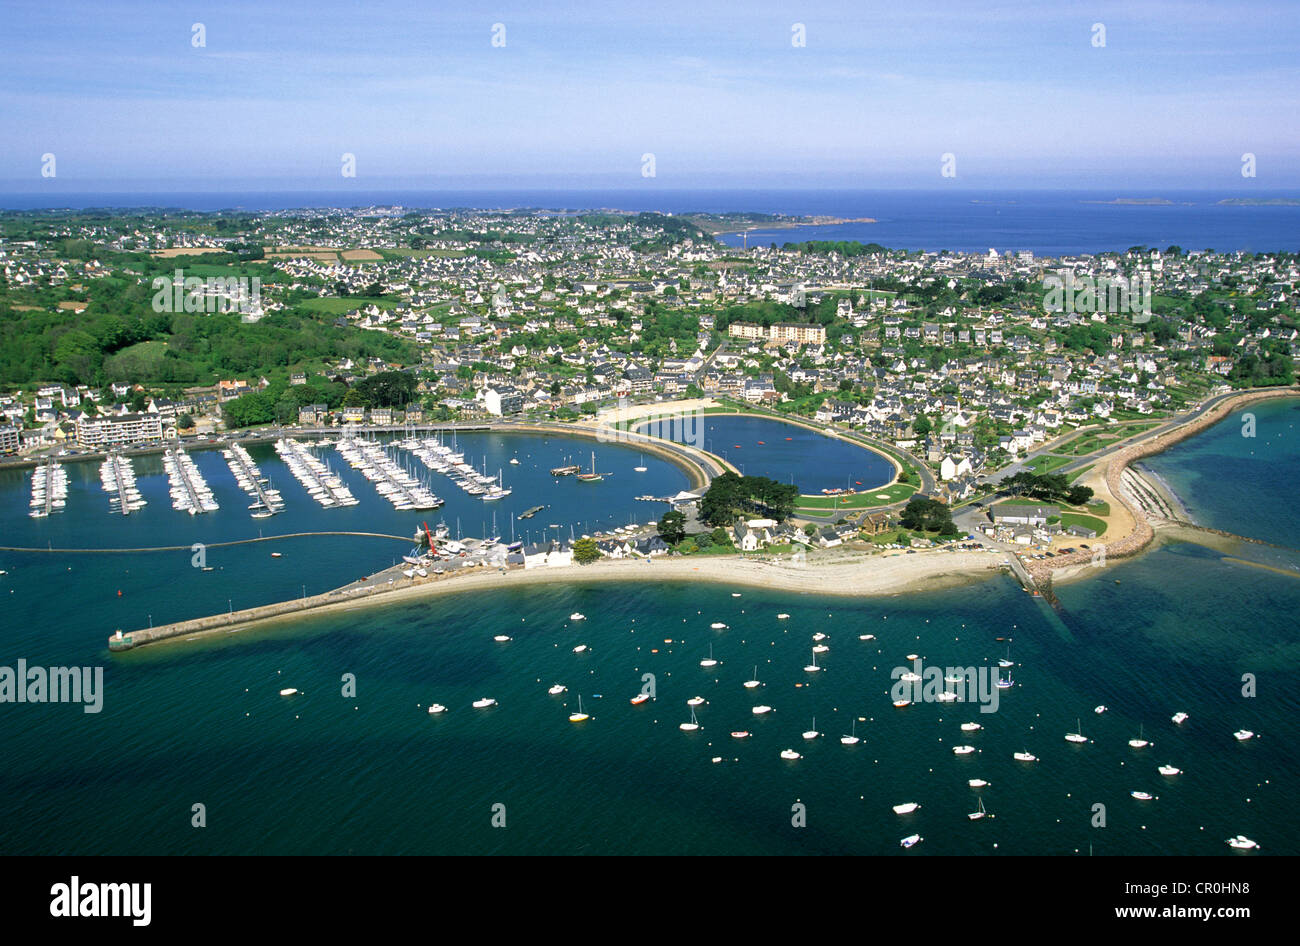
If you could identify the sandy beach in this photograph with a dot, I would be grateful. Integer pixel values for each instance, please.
(828, 574)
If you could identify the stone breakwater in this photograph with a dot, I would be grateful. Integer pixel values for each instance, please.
(1143, 532)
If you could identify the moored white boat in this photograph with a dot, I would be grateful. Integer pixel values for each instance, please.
(906, 808)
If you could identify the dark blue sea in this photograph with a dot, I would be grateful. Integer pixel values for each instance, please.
(1047, 223)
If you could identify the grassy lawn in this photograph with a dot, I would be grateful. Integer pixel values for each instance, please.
(1048, 463)
(1071, 477)
(1078, 519)
(334, 305)
(877, 497)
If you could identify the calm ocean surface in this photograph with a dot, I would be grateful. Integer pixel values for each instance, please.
(1048, 223)
(203, 722)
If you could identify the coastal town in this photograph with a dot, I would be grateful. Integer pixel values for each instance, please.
(993, 383)
(963, 359)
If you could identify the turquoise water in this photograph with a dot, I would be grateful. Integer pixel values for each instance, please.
(1236, 482)
(203, 722)
(758, 446)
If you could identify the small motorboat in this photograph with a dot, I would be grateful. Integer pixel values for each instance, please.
(1099, 710)
(866, 637)
(718, 626)
(501, 638)
(1170, 770)
(971, 727)
(557, 689)
(740, 734)
(1143, 796)
(695, 701)
(977, 783)
(899, 704)
(289, 691)
(1179, 717)
(1242, 843)
(640, 698)
(906, 808)
(577, 616)
(963, 750)
(911, 840)
(436, 708)
(783, 616)
(790, 754)
(1024, 757)
(484, 703)
(1241, 735)
(581, 648)
(761, 710)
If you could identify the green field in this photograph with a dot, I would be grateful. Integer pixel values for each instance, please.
(876, 497)
(1088, 522)
(334, 305)
(1048, 463)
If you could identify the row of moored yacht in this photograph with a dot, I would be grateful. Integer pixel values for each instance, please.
(189, 491)
(266, 499)
(443, 459)
(392, 482)
(117, 477)
(49, 489)
(316, 477)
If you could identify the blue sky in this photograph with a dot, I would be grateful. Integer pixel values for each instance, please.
(717, 92)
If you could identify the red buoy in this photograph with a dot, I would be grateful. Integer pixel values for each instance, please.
(119, 592)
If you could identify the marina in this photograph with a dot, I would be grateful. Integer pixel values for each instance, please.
(49, 489)
(189, 490)
(392, 482)
(118, 480)
(267, 499)
(321, 483)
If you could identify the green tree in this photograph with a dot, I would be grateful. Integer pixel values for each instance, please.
(585, 551)
(672, 527)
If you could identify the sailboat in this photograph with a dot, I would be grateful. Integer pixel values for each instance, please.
(1139, 742)
(593, 476)
(579, 716)
(812, 667)
(977, 815)
(1076, 736)
(753, 683)
(1006, 661)
(642, 467)
(852, 739)
(812, 733)
(692, 725)
(709, 661)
